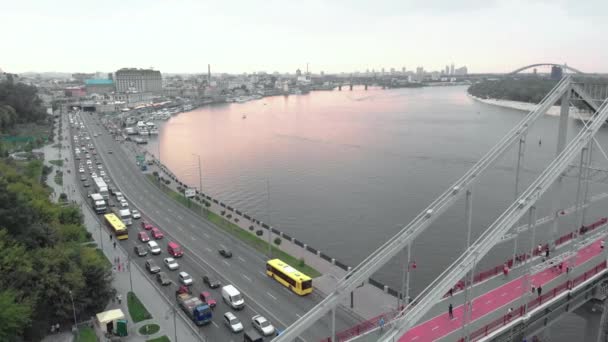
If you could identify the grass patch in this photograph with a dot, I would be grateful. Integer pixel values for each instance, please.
(104, 257)
(243, 235)
(86, 334)
(137, 310)
(149, 329)
(57, 162)
(160, 339)
(58, 145)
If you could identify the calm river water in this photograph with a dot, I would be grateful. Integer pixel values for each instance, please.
(348, 169)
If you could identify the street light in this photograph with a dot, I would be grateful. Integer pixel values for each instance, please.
(73, 311)
(174, 310)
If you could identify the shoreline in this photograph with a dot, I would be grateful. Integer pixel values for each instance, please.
(528, 107)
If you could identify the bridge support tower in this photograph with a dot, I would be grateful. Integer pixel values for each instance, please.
(365, 86)
(351, 86)
(340, 87)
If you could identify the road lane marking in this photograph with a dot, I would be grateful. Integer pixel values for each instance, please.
(271, 296)
(243, 260)
(246, 277)
(263, 274)
(180, 228)
(504, 294)
(169, 210)
(488, 302)
(180, 217)
(208, 249)
(193, 238)
(215, 325)
(222, 246)
(206, 235)
(435, 328)
(415, 338)
(226, 262)
(299, 316)
(193, 226)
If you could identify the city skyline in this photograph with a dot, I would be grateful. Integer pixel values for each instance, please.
(486, 36)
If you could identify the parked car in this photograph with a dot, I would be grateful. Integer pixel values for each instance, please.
(156, 233)
(225, 253)
(143, 236)
(151, 266)
(185, 278)
(211, 282)
(262, 325)
(171, 263)
(232, 322)
(140, 250)
(163, 278)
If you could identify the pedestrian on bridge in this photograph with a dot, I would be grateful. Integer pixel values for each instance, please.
(533, 289)
(602, 244)
(539, 290)
(451, 311)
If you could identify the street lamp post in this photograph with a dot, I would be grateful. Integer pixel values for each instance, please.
(73, 310)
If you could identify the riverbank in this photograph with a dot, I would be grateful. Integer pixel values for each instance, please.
(528, 107)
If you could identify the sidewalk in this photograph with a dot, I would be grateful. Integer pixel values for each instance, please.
(162, 314)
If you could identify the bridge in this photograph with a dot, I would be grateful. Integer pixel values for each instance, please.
(563, 66)
(504, 303)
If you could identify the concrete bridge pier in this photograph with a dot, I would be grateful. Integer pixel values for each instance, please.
(351, 86)
(365, 86)
(340, 87)
(594, 312)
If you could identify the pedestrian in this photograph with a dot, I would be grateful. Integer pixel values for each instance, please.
(114, 244)
(539, 249)
(110, 237)
(533, 289)
(451, 311)
(119, 297)
(505, 270)
(539, 290)
(381, 323)
(57, 327)
(52, 328)
(119, 267)
(602, 244)
(451, 292)
(547, 253)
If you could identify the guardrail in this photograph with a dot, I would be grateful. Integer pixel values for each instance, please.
(482, 276)
(363, 327)
(538, 301)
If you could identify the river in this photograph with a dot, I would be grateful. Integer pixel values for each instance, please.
(348, 169)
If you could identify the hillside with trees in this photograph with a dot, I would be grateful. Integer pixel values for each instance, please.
(46, 254)
(529, 89)
(19, 103)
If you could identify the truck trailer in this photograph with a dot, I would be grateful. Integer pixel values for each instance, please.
(199, 312)
(98, 203)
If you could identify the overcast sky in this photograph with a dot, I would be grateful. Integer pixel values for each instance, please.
(283, 35)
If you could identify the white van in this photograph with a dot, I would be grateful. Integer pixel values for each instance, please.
(233, 297)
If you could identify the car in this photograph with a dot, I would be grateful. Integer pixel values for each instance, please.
(135, 214)
(100, 167)
(140, 250)
(232, 322)
(145, 225)
(185, 278)
(151, 266)
(77, 157)
(211, 282)
(120, 198)
(124, 204)
(206, 297)
(109, 151)
(171, 264)
(94, 152)
(86, 184)
(163, 278)
(98, 162)
(262, 325)
(102, 173)
(89, 162)
(81, 170)
(153, 247)
(118, 193)
(156, 233)
(143, 236)
(83, 178)
(225, 253)
(94, 174)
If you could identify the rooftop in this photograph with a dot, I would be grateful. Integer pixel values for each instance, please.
(99, 82)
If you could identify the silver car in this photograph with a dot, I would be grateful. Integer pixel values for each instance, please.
(232, 322)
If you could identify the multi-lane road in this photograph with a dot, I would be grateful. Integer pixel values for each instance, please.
(201, 240)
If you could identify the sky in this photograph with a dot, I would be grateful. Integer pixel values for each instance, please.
(234, 36)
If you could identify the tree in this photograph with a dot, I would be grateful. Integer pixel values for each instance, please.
(14, 315)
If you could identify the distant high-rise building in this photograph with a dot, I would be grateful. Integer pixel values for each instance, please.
(447, 69)
(419, 74)
(403, 70)
(382, 71)
(556, 72)
(452, 69)
(392, 71)
(462, 71)
(298, 73)
(140, 80)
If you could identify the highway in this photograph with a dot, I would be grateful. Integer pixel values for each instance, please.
(201, 240)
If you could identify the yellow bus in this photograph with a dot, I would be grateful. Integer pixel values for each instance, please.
(288, 276)
(119, 228)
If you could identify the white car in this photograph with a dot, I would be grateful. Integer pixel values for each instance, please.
(93, 174)
(232, 322)
(100, 167)
(89, 162)
(118, 194)
(135, 214)
(81, 170)
(102, 173)
(124, 204)
(185, 278)
(171, 264)
(153, 247)
(262, 325)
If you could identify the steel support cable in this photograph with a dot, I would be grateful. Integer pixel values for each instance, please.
(492, 235)
(389, 249)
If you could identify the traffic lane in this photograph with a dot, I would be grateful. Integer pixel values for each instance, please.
(123, 165)
(177, 207)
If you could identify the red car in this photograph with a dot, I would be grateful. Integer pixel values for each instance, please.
(145, 225)
(143, 237)
(206, 297)
(156, 233)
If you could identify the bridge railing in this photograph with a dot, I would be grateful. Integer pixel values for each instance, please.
(492, 272)
(363, 327)
(538, 301)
